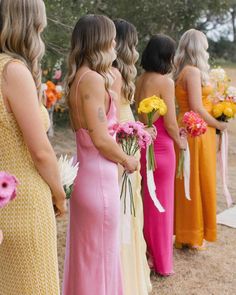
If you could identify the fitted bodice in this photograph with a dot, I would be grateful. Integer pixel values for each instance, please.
(182, 96)
(85, 147)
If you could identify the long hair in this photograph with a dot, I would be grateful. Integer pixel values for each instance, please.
(91, 41)
(192, 50)
(127, 55)
(21, 25)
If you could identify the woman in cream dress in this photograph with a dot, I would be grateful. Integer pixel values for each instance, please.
(136, 273)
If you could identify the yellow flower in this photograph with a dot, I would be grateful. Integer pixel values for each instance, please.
(228, 112)
(152, 103)
(218, 110)
(162, 110)
(234, 108)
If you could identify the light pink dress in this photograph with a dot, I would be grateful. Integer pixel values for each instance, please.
(92, 264)
(158, 227)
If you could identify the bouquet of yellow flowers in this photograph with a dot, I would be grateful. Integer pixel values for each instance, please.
(150, 106)
(223, 96)
(224, 108)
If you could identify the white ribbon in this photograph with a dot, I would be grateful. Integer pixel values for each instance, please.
(187, 173)
(152, 187)
(125, 217)
(223, 159)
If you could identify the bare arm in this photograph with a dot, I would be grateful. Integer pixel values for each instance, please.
(194, 89)
(116, 87)
(170, 121)
(20, 91)
(93, 100)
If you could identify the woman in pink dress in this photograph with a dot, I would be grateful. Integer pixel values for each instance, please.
(158, 227)
(92, 264)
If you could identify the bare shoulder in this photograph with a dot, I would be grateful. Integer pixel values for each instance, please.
(116, 73)
(167, 82)
(117, 79)
(192, 71)
(91, 77)
(15, 70)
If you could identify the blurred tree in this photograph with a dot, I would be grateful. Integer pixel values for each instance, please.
(172, 17)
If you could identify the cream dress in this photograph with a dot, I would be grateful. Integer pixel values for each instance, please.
(135, 269)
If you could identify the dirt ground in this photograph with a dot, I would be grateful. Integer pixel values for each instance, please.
(210, 272)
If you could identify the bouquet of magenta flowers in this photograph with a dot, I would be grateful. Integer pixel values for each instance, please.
(8, 184)
(132, 137)
(194, 126)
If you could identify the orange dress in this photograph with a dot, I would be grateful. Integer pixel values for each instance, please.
(195, 220)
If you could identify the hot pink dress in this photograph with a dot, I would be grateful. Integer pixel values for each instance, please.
(158, 227)
(92, 264)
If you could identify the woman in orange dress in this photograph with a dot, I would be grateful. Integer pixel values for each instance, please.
(195, 220)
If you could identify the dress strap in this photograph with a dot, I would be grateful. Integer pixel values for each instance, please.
(77, 113)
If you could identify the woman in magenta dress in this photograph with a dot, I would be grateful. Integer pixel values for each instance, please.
(158, 227)
(92, 264)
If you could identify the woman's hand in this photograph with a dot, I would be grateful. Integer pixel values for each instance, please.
(183, 143)
(222, 126)
(130, 164)
(152, 131)
(59, 202)
(183, 138)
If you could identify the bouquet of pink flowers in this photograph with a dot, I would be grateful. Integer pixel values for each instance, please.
(195, 126)
(8, 184)
(132, 137)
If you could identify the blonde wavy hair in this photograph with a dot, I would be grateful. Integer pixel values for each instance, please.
(192, 50)
(21, 25)
(91, 41)
(127, 56)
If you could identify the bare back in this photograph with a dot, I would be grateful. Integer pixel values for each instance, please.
(80, 90)
(148, 84)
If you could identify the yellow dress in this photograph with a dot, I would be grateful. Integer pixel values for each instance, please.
(195, 220)
(28, 254)
(135, 269)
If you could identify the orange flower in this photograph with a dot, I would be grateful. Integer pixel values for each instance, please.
(52, 94)
(51, 85)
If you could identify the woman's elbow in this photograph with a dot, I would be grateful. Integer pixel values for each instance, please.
(100, 143)
(197, 108)
(41, 155)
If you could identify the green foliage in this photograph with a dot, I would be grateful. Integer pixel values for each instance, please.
(171, 17)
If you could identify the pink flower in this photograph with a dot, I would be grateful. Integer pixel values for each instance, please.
(8, 185)
(57, 75)
(194, 124)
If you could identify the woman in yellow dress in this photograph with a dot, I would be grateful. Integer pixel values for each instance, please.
(195, 220)
(136, 272)
(28, 253)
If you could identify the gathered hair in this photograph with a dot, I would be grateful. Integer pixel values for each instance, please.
(91, 41)
(21, 25)
(158, 55)
(192, 50)
(127, 56)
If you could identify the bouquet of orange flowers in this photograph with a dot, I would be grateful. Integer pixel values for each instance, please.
(150, 106)
(53, 93)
